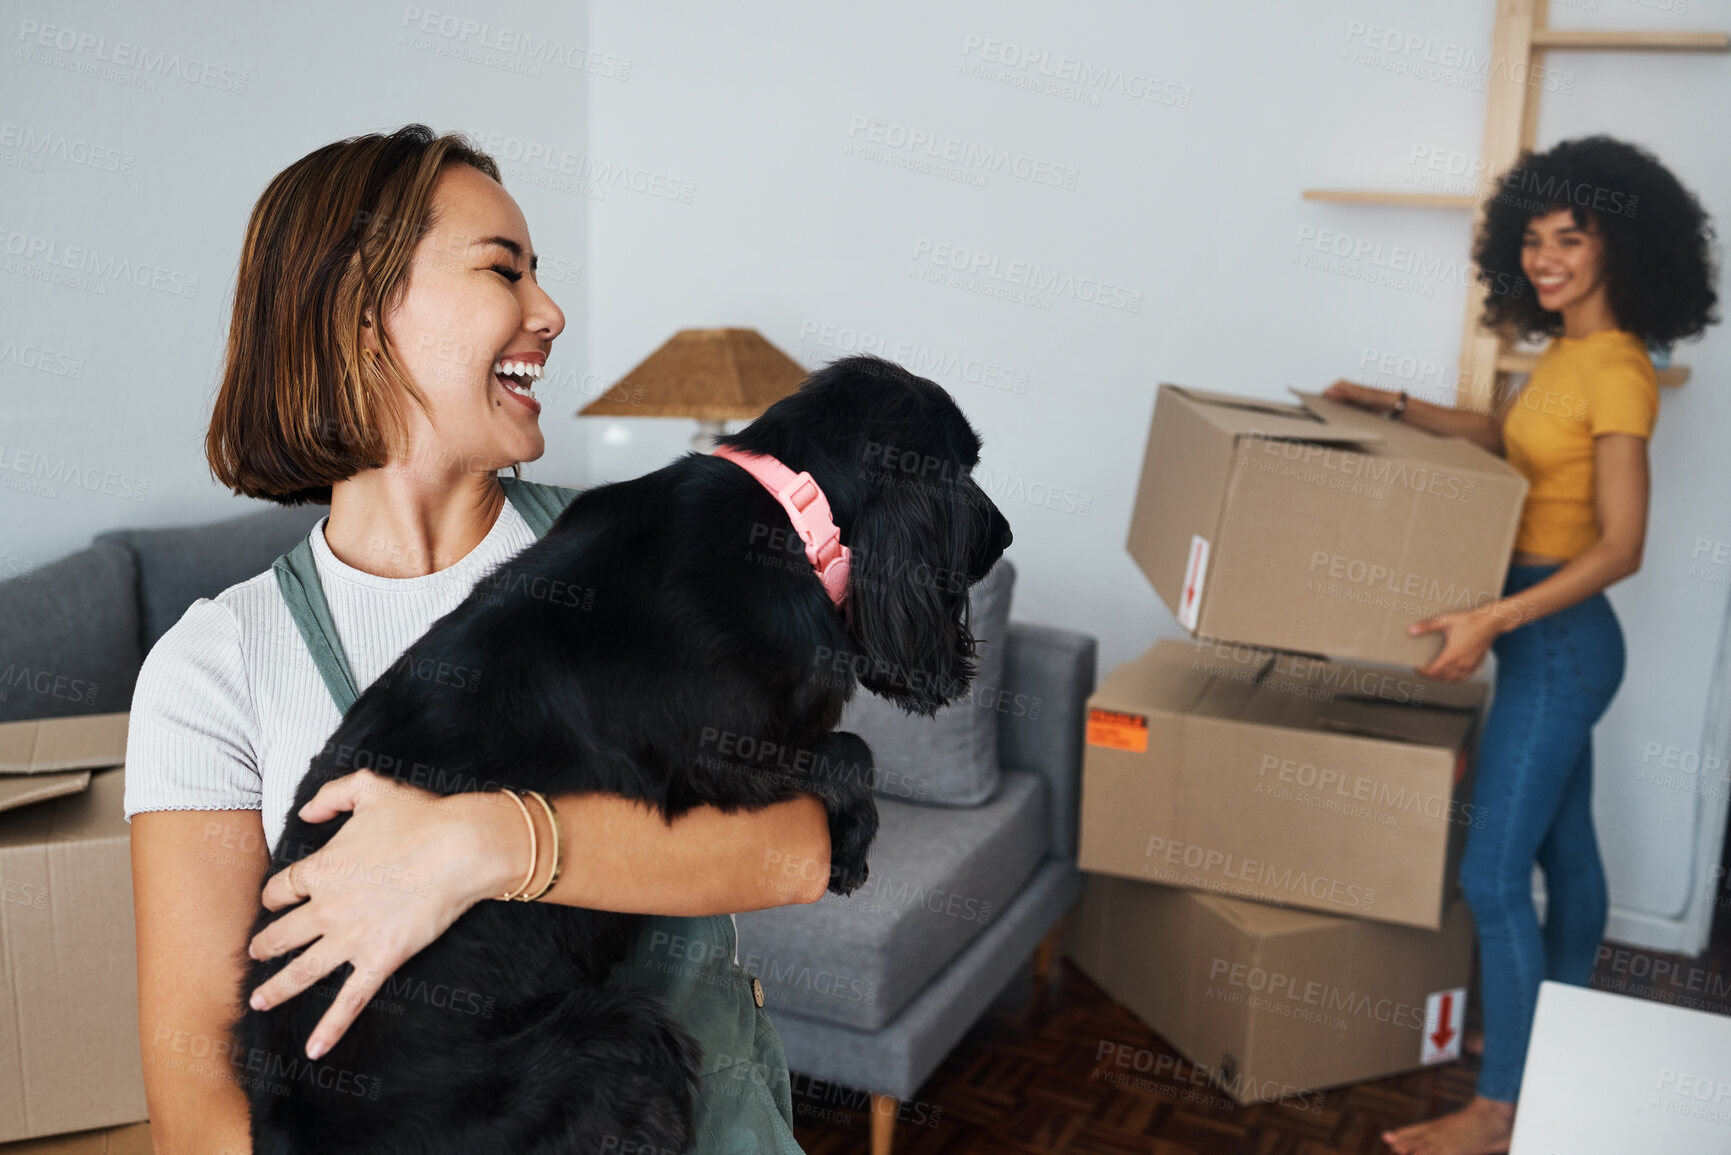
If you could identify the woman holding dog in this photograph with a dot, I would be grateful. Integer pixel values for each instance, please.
(388, 329)
(1607, 255)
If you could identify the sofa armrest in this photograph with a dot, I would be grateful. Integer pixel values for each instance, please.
(1048, 674)
(69, 636)
(180, 564)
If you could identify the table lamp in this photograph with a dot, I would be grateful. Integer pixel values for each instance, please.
(713, 375)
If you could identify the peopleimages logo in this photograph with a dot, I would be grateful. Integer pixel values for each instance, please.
(45, 474)
(1419, 51)
(1524, 188)
(29, 355)
(1004, 489)
(1164, 856)
(1394, 580)
(514, 42)
(1399, 264)
(1069, 77)
(46, 683)
(982, 266)
(88, 46)
(972, 156)
(39, 144)
(1377, 470)
(913, 356)
(1356, 787)
(93, 262)
(588, 172)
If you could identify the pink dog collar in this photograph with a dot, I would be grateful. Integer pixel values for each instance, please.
(808, 508)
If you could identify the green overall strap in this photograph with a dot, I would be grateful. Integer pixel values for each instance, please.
(539, 505)
(297, 576)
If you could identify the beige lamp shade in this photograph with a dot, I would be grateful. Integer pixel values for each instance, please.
(710, 374)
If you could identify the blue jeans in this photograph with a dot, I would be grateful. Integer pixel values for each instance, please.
(1555, 677)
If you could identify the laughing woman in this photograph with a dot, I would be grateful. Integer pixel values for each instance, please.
(383, 281)
(1602, 250)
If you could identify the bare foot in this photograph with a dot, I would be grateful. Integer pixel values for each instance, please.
(1482, 1127)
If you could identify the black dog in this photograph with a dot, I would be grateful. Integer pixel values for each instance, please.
(655, 612)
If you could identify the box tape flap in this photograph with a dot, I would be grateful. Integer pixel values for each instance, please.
(94, 814)
(1226, 698)
(18, 790)
(1446, 727)
(47, 745)
(1219, 690)
(1274, 420)
(1164, 679)
(1450, 454)
(1442, 698)
(1340, 413)
(1264, 918)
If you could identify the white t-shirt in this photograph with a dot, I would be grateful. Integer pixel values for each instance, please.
(229, 709)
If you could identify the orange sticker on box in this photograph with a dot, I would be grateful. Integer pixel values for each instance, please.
(1116, 730)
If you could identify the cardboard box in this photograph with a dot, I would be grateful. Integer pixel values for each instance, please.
(18, 790)
(130, 1140)
(1274, 1004)
(69, 1051)
(1332, 786)
(1317, 527)
(47, 745)
(1607, 1072)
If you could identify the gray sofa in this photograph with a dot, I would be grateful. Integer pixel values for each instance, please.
(869, 993)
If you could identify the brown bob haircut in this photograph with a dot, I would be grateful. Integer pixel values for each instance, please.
(301, 406)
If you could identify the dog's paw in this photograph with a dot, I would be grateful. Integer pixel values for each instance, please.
(853, 826)
(844, 879)
(844, 782)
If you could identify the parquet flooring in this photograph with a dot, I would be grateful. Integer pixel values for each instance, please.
(1026, 1081)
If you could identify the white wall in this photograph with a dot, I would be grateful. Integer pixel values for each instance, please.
(1190, 201)
(177, 166)
(697, 167)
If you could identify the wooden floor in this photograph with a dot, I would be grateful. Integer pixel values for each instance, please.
(1026, 1079)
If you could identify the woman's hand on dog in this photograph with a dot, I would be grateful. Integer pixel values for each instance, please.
(402, 869)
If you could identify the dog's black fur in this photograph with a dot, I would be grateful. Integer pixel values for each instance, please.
(656, 614)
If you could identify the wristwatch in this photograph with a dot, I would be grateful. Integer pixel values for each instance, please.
(1399, 407)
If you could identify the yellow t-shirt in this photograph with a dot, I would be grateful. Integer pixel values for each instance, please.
(1580, 388)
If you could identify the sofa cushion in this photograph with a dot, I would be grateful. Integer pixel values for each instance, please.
(951, 758)
(69, 637)
(938, 876)
(177, 566)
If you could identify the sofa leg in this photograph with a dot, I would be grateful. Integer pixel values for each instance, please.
(1046, 952)
(884, 1108)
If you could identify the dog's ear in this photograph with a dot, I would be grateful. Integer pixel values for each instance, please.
(908, 593)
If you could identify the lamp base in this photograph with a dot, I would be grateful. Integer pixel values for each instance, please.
(707, 431)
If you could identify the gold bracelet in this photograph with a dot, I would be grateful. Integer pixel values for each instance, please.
(534, 848)
(558, 848)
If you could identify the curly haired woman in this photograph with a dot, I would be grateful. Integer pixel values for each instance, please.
(1595, 245)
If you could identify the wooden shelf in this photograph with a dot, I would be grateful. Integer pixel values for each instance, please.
(1632, 41)
(1409, 200)
(1510, 362)
(1519, 33)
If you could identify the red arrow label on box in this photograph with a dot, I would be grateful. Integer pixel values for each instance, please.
(1195, 572)
(1443, 1031)
(1444, 1019)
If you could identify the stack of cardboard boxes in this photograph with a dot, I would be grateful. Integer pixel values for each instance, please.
(69, 1049)
(1273, 815)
